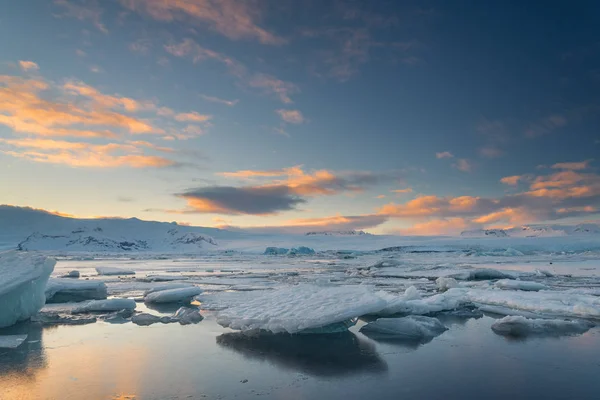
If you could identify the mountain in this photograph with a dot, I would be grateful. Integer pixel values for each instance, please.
(337, 233)
(30, 229)
(536, 231)
(484, 233)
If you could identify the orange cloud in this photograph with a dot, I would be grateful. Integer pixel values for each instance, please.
(296, 170)
(511, 180)
(192, 117)
(28, 66)
(403, 191)
(448, 226)
(574, 166)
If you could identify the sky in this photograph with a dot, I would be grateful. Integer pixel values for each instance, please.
(395, 117)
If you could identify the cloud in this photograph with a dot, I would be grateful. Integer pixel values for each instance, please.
(78, 154)
(511, 180)
(231, 18)
(249, 173)
(546, 125)
(403, 191)
(444, 154)
(192, 117)
(447, 226)
(281, 131)
(28, 66)
(491, 152)
(213, 99)
(261, 200)
(574, 166)
(291, 116)
(87, 11)
(274, 86)
(463, 165)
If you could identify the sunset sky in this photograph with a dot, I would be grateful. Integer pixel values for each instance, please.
(404, 117)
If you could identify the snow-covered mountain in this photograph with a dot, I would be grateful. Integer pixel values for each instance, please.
(30, 229)
(337, 233)
(484, 233)
(536, 231)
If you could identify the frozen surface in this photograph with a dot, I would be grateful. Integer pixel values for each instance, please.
(65, 290)
(180, 295)
(23, 278)
(413, 327)
(114, 271)
(11, 341)
(297, 308)
(521, 326)
(520, 285)
(105, 306)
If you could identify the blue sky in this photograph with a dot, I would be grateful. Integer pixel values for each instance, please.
(152, 108)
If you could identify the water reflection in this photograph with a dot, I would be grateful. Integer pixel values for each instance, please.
(27, 359)
(320, 355)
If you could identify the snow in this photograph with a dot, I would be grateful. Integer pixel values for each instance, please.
(520, 285)
(299, 308)
(23, 278)
(67, 290)
(520, 326)
(11, 341)
(105, 306)
(179, 295)
(410, 328)
(114, 271)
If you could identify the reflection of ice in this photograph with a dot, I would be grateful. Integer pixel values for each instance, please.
(29, 357)
(320, 355)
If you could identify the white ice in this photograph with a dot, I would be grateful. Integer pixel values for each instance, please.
(114, 271)
(413, 327)
(11, 341)
(66, 290)
(23, 278)
(520, 285)
(521, 326)
(298, 308)
(105, 306)
(443, 283)
(180, 295)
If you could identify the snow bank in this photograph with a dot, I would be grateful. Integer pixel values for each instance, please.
(11, 341)
(520, 285)
(105, 306)
(68, 290)
(181, 295)
(521, 326)
(23, 278)
(114, 271)
(413, 327)
(299, 308)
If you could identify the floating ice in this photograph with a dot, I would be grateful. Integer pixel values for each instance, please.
(541, 272)
(118, 317)
(521, 326)
(187, 316)
(482, 274)
(443, 283)
(275, 251)
(51, 319)
(23, 278)
(181, 295)
(68, 290)
(71, 274)
(409, 304)
(167, 286)
(414, 327)
(11, 341)
(163, 278)
(114, 271)
(145, 319)
(520, 285)
(105, 306)
(297, 308)
(302, 250)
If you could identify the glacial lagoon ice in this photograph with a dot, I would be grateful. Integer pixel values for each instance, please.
(64, 290)
(413, 327)
(179, 295)
(519, 326)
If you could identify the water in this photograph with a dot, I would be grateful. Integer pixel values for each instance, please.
(104, 361)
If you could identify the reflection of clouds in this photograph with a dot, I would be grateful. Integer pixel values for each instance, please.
(321, 355)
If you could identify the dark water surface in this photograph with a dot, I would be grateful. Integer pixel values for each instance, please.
(103, 361)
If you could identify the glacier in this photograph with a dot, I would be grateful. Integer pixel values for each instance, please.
(23, 278)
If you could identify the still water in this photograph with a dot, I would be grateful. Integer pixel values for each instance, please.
(205, 361)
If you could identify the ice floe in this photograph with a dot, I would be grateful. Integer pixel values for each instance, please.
(180, 295)
(187, 316)
(519, 326)
(413, 327)
(145, 319)
(114, 271)
(520, 285)
(23, 278)
(67, 290)
(104, 306)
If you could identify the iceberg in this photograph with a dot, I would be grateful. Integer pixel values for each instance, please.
(11, 341)
(520, 285)
(302, 250)
(518, 326)
(23, 278)
(444, 283)
(68, 290)
(294, 309)
(411, 303)
(71, 274)
(187, 316)
(414, 327)
(105, 306)
(167, 286)
(181, 295)
(275, 251)
(114, 271)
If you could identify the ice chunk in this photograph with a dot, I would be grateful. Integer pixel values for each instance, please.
(118, 317)
(520, 285)
(163, 278)
(414, 327)
(105, 306)
(71, 274)
(11, 341)
(302, 250)
(444, 283)
(297, 308)
(521, 326)
(167, 286)
(482, 274)
(181, 295)
(51, 319)
(449, 300)
(145, 319)
(188, 315)
(542, 272)
(68, 290)
(114, 271)
(275, 251)
(23, 278)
